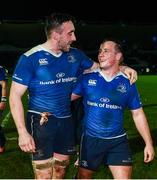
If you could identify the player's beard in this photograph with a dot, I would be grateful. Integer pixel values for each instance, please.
(65, 47)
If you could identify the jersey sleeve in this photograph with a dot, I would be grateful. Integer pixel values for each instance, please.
(78, 89)
(86, 62)
(134, 101)
(23, 71)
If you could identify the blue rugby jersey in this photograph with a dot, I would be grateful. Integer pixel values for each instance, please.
(104, 102)
(50, 78)
(3, 77)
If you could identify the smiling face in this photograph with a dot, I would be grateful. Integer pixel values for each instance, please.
(109, 56)
(63, 36)
(66, 36)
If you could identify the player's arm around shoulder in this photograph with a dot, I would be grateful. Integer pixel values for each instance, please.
(130, 73)
(93, 68)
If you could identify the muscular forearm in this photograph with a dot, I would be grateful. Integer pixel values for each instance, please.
(142, 126)
(3, 99)
(4, 93)
(122, 68)
(95, 66)
(4, 89)
(17, 111)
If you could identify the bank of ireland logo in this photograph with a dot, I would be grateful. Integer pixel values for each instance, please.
(121, 88)
(104, 100)
(60, 75)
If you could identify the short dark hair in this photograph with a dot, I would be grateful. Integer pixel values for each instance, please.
(55, 20)
(118, 43)
(118, 47)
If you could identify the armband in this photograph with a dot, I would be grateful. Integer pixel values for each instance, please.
(3, 99)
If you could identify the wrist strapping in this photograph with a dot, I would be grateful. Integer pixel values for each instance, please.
(3, 99)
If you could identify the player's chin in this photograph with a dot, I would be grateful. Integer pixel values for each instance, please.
(67, 48)
(102, 64)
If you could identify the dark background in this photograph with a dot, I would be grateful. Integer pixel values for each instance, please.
(100, 10)
(134, 23)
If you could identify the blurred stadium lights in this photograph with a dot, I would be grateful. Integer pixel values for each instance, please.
(154, 38)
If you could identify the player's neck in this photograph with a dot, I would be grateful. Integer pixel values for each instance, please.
(110, 72)
(51, 46)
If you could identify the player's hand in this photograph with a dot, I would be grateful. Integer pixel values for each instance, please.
(149, 153)
(130, 73)
(2, 105)
(26, 142)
